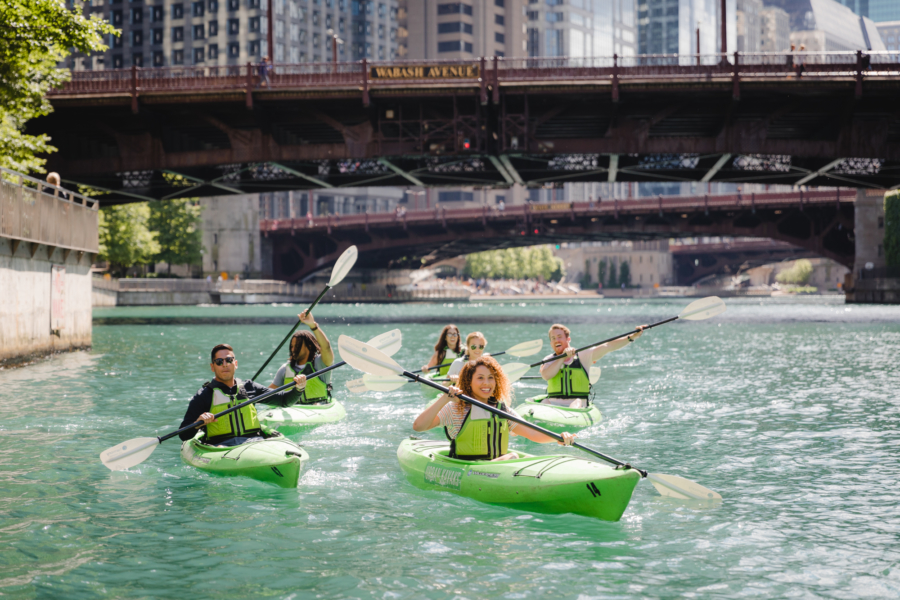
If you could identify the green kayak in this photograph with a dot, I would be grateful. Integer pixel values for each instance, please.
(552, 484)
(295, 418)
(558, 418)
(274, 460)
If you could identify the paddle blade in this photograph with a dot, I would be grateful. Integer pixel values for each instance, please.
(384, 383)
(343, 266)
(128, 454)
(388, 342)
(514, 371)
(357, 386)
(526, 348)
(594, 375)
(703, 309)
(673, 486)
(365, 358)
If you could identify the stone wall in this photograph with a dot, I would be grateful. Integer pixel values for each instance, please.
(25, 286)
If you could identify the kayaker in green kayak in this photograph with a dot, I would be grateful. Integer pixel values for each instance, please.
(223, 392)
(447, 349)
(474, 433)
(310, 351)
(473, 350)
(568, 381)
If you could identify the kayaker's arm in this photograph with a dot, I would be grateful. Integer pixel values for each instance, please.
(199, 405)
(324, 345)
(550, 369)
(604, 349)
(287, 397)
(429, 418)
(431, 363)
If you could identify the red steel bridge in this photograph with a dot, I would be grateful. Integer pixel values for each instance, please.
(820, 222)
(827, 118)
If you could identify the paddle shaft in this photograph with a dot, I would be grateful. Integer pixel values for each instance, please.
(290, 333)
(612, 339)
(516, 419)
(250, 401)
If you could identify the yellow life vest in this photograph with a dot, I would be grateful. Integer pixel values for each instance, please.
(572, 381)
(315, 391)
(449, 357)
(483, 436)
(242, 422)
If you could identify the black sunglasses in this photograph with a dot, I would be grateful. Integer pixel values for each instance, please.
(476, 347)
(221, 361)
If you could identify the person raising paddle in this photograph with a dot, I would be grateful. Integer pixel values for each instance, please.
(222, 393)
(568, 381)
(474, 433)
(447, 349)
(310, 351)
(473, 350)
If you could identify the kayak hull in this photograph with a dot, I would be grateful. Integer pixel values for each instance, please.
(558, 418)
(293, 419)
(275, 460)
(552, 484)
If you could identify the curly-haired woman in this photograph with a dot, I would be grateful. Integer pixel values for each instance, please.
(474, 433)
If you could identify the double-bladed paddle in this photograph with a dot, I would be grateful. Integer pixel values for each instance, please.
(519, 351)
(134, 452)
(367, 359)
(697, 310)
(340, 270)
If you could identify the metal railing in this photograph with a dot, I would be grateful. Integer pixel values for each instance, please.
(35, 211)
(856, 65)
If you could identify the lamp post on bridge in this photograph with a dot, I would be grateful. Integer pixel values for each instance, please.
(335, 40)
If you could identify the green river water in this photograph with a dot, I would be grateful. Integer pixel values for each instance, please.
(790, 408)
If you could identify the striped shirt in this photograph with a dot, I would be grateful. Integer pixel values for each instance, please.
(454, 413)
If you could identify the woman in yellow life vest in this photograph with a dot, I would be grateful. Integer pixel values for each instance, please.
(310, 352)
(473, 350)
(568, 382)
(447, 349)
(474, 433)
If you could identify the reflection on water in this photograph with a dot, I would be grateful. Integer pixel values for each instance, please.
(787, 407)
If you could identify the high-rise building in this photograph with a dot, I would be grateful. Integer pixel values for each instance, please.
(157, 33)
(670, 26)
(775, 30)
(748, 25)
(831, 26)
(581, 28)
(877, 10)
(890, 34)
(468, 29)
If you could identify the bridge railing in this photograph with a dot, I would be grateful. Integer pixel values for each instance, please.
(34, 211)
(372, 75)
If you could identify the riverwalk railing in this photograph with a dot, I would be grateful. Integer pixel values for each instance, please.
(364, 75)
(35, 211)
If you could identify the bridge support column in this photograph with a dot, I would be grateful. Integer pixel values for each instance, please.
(870, 282)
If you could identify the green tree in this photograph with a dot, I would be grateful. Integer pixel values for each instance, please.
(625, 274)
(613, 276)
(892, 229)
(125, 238)
(798, 273)
(601, 271)
(35, 35)
(177, 225)
(586, 277)
(559, 270)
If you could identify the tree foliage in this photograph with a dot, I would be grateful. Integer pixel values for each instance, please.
(892, 229)
(797, 274)
(625, 273)
(35, 35)
(125, 238)
(613, 276)
(601, 271)
(586, 276)
(177, 225)
(536, 262)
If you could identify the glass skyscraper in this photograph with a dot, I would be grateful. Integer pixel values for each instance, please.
(877, 10)
(581, 28)
(670, 26)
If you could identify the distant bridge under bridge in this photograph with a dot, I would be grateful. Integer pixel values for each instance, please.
(144, 134)
(821, 223)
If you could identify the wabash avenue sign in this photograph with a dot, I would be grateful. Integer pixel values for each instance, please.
(426, 72)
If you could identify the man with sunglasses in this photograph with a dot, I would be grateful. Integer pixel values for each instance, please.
(223, 392)
(474, 349)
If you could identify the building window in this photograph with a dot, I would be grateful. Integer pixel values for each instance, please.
(381, 32)
(177, 57)
(368, 28)
(158, 58)
(137, 59)
(178, 34)
(198, 55)
(253, 3)
(455, 196)
(499, 38)
(137, 37)
(234, 4)
(156, 13)
(253, 48)
(157, 36)
(213, 28)
(234, 26)
(117, 61)
(234, 50)
(499, 3)
(454, 8)
(555, 17)
(341, 25)
(468, 47)
(197, 9)
(137, 15)
(213, 53)
(880, 222)
(117, 18)
(499, 20)
(315, 17)
(116, 41)
(177, 11)
(213, 6)
(449, 27)
(254, 24)
(199, 32)
(454, 46)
